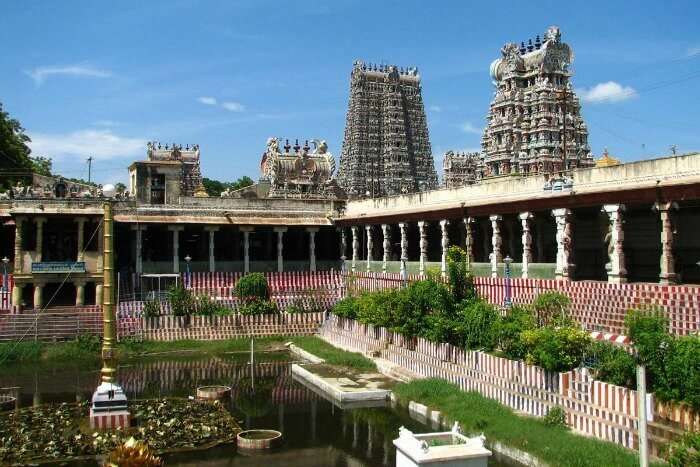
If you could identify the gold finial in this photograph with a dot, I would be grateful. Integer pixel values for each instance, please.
(607, 160)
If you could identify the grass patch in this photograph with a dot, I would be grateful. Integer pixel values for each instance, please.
(133, 348)
(88, 348)
(333, 355)
(557, 446)
(11, 352)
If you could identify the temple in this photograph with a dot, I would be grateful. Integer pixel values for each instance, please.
(386, 148)
(534, 122)
(461, 168)
(564, 216)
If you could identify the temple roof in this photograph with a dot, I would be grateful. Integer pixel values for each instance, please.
(607, 160)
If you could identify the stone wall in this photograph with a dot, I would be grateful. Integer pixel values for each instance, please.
(167, 328)
(593, 408)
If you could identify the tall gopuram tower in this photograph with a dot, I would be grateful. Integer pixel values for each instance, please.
(534, 123)
(386, 148)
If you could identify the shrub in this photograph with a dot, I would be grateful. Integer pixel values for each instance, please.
(151, 308)
(552, 308)
(252, 286)
(11, 352)
(612, 364)
(181, 300)
(257, 306)
(476, 328)
(346, 308)
(205, 306)
(460, 279)
(648, 330)
(686, 451)
(509, 328)
(412, 305)
(555, 348)
(88, 343)
(679, 379)
(555, 417)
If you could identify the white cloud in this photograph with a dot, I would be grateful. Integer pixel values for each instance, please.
(100, 144)
(607, 92)
(693, 51)
(435, 108)
(233, 106)
(42, 73)
(467, 127)
(207, 100)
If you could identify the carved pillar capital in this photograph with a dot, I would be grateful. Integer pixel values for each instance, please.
(562, 217)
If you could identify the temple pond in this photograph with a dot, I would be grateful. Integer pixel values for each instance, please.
(316, 432)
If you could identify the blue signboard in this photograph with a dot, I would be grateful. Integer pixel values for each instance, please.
(58, 267)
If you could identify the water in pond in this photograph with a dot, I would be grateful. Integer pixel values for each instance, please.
(316, 432)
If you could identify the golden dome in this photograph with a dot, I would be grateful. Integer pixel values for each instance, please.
(607, 160)
(200, 191)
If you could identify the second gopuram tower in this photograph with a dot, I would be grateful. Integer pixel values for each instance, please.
(386, 148)
(534, 123)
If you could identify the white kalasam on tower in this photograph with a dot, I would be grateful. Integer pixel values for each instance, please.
(386, 148)
(534, 123)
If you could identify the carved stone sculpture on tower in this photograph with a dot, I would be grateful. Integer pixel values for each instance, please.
(534, 122)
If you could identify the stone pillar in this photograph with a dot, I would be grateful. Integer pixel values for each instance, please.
(423, 246)
(98, 294)
(79, 293)
(38, 295)
(312, 247)
(80, 256)
(176, 229)
(39, 238)
(280, 247)
(17, 295)
(404, 247)
(246, 248)
(386, 244)
(19, 232)
(469, 240)
(562, 218)
(138, 229)
(668, 265)
(370, 246)
(496, 242)
(212, 229)
(343, 242)
(615, 238)
(445, 243)
(525, 219)
(355, 246)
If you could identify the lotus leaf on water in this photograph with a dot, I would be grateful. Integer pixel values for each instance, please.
(59, 431)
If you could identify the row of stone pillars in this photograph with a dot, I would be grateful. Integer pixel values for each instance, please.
(247, 230)
(564, 269)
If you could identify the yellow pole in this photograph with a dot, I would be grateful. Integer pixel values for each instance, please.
(108, 318)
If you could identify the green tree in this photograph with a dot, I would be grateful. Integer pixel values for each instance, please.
(42, 165)
(215, 187)
(242, 182)
(120, 187)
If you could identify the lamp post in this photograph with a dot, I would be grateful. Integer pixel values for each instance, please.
(188, 258)
(109, 406)
(508, 300)
(5, 260)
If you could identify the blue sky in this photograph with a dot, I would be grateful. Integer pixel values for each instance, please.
(101, 78)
